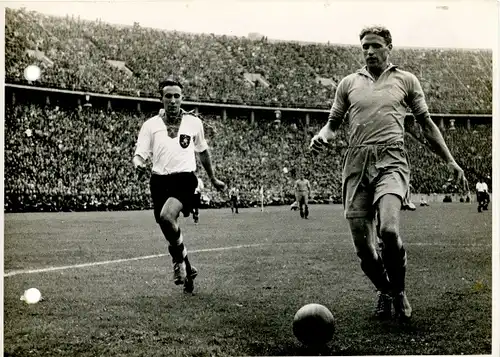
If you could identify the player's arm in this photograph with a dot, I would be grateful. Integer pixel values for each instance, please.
(308, 188)
(434, 137)
(430, 130)
(201, 147)
(335, 118)
(142, 150)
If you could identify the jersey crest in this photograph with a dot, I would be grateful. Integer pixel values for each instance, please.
(184, 140)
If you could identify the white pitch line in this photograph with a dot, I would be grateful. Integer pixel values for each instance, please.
(105, 262)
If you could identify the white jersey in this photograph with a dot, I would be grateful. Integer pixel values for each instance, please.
(171, 155)
(481, 187)
(234, 192)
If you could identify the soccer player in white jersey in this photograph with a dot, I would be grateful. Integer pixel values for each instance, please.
(376, 173)
(197, 201)
(171, 138)
(234, 194)
(483, 197)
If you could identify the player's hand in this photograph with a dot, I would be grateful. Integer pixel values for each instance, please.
(141, 170)
(318, 143)
(458, 176)
(219, 185)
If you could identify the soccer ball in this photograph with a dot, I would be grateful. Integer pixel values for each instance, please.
(313, 325)
(31, 296)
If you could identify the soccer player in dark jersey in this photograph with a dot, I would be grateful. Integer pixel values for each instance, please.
(376, 173)
(302, 193)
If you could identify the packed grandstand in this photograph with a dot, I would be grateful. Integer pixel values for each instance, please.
(64, 158)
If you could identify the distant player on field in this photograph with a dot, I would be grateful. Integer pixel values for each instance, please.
(302, 193)
(376, 173)
(234, 196)
(171, 138)
(197, 201)
(483, 197)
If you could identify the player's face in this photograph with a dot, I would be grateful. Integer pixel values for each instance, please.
(172, 99)
(375, 51)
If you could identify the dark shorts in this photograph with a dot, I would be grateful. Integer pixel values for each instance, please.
(483, 197)
(180, 186)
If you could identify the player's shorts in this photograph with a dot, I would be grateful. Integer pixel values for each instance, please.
(302, 198)
(483, 197)
(234, 200)
(371, 172)
(179, 185)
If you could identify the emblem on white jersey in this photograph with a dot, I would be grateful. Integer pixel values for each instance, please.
(184, 140)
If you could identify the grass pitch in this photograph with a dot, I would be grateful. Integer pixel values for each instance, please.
(256, 270)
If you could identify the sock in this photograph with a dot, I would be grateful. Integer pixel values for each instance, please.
(177, 249)
(188, 265)
(395, 263)
(306, 211)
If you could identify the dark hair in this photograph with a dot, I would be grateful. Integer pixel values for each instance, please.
(170, 81)
(379, 31)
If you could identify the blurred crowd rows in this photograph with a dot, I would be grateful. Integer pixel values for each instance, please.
(76, 54)
(81, 159)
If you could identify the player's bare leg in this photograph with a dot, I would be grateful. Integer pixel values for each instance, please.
(233, 205)
(394, 253)
(363, 235)
(170, 228)
(300, 202)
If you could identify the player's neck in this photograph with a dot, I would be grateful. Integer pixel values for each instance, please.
(171, 119)
(377, 71)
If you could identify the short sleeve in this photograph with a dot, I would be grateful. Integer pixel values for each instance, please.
(341, 101)
(415, 97)
(200, 144)
(143, 145)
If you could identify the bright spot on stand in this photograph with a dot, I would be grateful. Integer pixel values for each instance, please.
(32, 73)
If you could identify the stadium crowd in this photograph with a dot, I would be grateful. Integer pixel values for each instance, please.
(98, 57)
(79, 159)
(60, 159)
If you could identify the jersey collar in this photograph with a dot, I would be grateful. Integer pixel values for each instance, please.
(364, 70)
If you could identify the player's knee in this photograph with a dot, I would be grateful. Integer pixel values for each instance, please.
(169, 219)
(389, 236)
(366, 252)
(358, 229)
